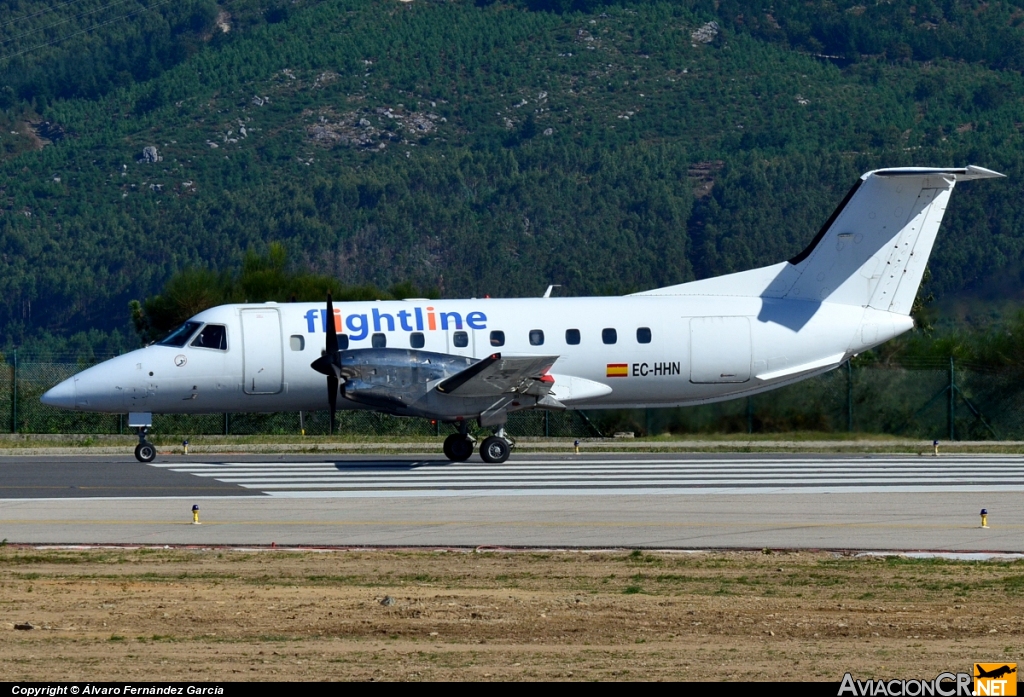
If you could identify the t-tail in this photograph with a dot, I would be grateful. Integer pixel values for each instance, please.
(874, 248)
(871, 252)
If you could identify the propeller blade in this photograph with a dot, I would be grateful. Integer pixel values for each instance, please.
(332, 397)
(332, 331)
(329, 363)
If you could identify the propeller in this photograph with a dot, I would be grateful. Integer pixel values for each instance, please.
(329, 362)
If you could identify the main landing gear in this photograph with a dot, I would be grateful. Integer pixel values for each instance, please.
(497, 448)
(144, 451)
(458, 447)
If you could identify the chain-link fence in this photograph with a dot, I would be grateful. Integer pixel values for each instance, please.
(23, 382)
(926, 399)
(932, 399)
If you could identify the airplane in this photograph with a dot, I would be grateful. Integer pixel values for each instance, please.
(475, 361)
(994, 673)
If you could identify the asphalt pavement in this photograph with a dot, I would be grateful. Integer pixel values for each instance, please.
(654, 500)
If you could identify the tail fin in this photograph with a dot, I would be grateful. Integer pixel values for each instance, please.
(873, 250)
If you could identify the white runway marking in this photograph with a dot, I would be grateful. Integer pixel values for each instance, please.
(679, 475)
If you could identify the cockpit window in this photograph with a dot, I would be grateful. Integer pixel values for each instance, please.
(213, 336)
(180, 336)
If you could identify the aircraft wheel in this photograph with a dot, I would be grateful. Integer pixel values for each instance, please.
(495, 450)
(458, 447)
(145, 452)
(447, 447)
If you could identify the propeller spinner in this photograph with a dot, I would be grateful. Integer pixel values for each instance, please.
(329, 362)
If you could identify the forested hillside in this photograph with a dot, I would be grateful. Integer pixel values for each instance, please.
(481, 148)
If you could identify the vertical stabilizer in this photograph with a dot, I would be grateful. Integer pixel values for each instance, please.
(873, 250)
(901, 274)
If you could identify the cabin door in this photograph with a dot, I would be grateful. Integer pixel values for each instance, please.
(263, 355)
(720, 349)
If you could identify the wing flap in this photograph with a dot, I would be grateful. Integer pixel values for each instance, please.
(496, 375)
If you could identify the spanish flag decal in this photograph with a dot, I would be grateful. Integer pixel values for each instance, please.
(618, 370)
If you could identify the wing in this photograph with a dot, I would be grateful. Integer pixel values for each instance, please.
(497, 375)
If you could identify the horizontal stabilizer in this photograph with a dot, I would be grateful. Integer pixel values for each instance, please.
(961, 173)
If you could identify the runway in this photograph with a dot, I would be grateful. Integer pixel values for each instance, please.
(614, 475)
(877, 502)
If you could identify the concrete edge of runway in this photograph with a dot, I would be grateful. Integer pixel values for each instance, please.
(546, 446)
(479, 493)
(946, 554)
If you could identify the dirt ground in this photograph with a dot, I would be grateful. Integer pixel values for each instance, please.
(219, 614)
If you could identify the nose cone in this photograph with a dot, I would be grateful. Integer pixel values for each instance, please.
(62, 395)
(97, 389)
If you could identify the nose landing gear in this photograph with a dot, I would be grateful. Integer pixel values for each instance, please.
(144, 451)
(142, 421)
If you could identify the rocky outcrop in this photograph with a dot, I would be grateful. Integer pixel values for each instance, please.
(371, 129)
(706, 34)
(150, 154)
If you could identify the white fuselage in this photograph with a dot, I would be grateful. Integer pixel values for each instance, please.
(700, 349)
(851, 289)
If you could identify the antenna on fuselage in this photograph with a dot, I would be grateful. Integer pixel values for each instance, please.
(547, 293)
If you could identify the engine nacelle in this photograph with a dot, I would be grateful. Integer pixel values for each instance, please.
(395, 379)
(405, 382)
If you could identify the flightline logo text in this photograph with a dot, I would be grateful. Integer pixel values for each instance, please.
(358, 325)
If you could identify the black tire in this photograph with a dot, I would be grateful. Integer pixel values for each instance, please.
(145, 452)
(447, 447)
(458, 448)
(495, 450)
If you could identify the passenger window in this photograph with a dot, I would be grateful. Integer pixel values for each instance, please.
(536, 337)
(379, 341)
(297, 342)
(460, 339)
(572, 336)
(343, 342)
(213, 336)
(497, 338)
(609, 336)
(416, 340)
(643, 335)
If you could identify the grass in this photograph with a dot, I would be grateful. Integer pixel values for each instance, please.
(796, 441)
(795, 436)
(271, 585)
